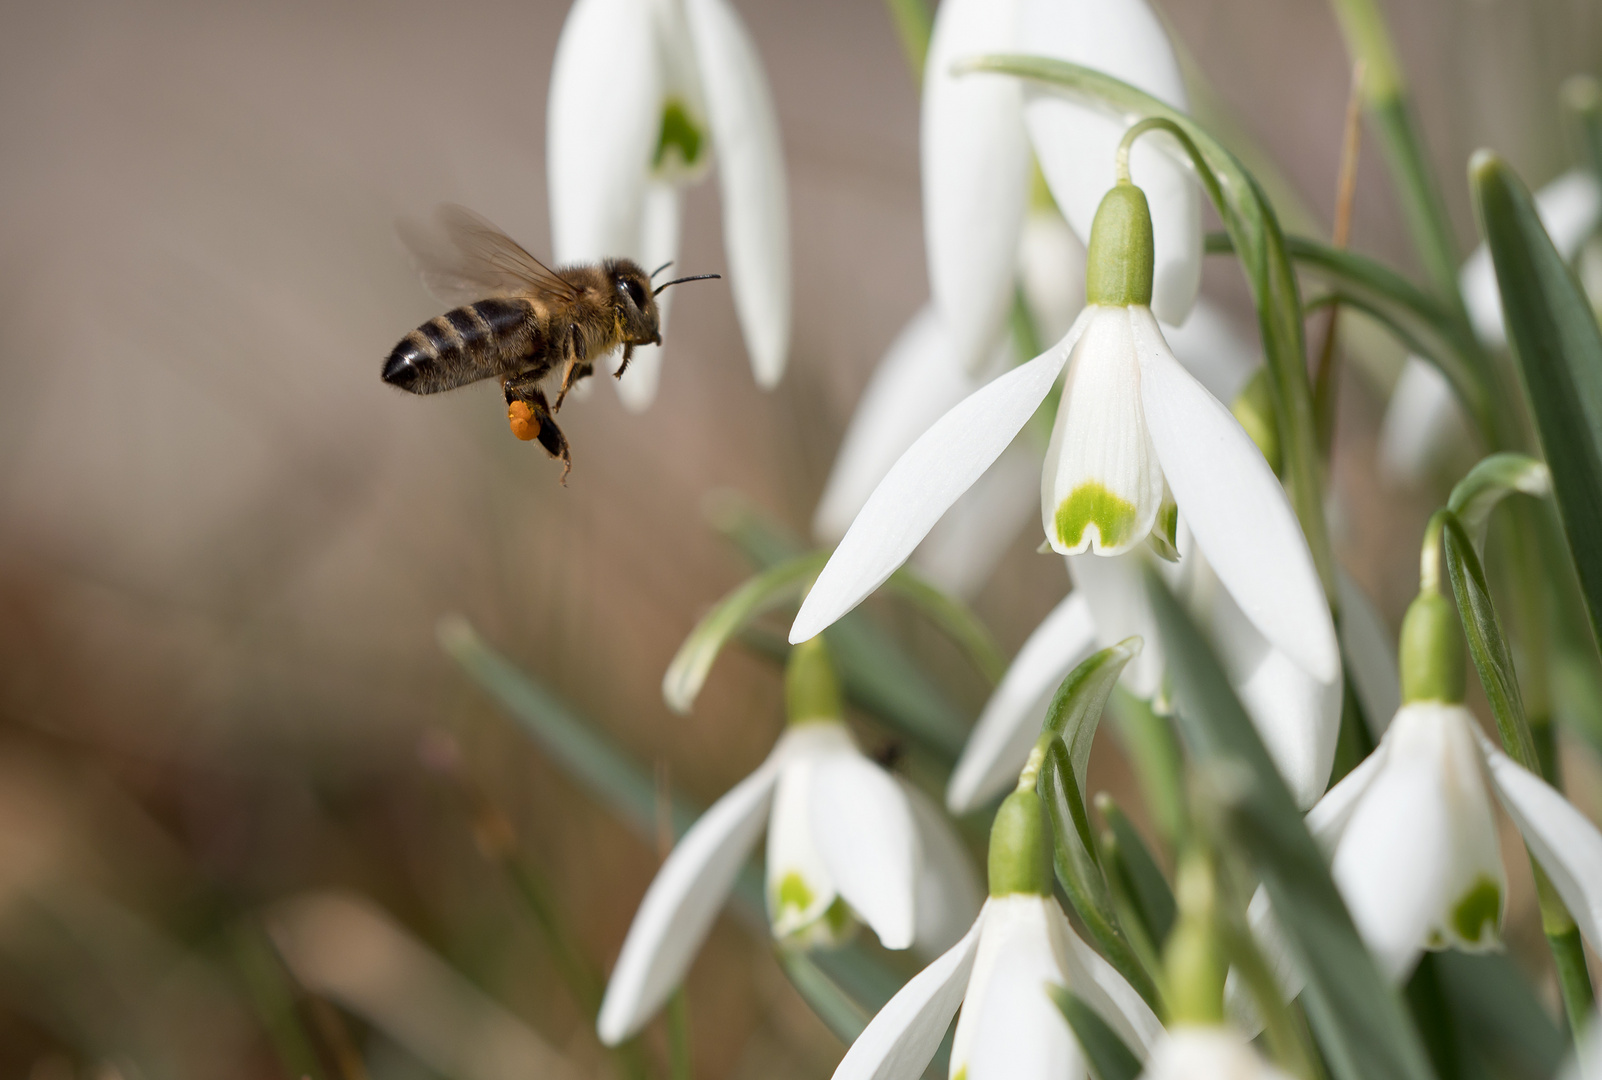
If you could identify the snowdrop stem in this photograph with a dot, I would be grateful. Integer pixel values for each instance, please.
(811, 689)
(1193, 959)
(1019, 860)
(1433, 664)
(1150, 123)
(1029, 775)
(1429, 555)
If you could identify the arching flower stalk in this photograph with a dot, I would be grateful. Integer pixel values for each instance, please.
(682, 85)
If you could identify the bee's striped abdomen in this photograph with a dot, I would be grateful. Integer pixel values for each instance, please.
(481, 339)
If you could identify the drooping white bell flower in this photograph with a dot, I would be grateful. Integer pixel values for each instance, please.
(1200, 1052)
(683, 83)
(998, 975)
(1424, 420)
(846, 841)
(1133, 427)
(977, 133)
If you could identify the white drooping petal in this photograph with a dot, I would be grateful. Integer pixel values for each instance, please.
(800, 885)
(949, 891)
(1570, 208)
(1424, 426)
(1208, 1053)
(918, 380)
(1010, 722)
(922, 485)
(865, 832)
(1075, 143)
(659, 244)
(975, 165)
(1216, 349)
(964, 547)
(681, 903)
(1327, 821)
(1009, 1027)
(898, 1043)
(1051, 272)
(1563, 840)
(1370, 653)
(601, 133)
(1235, 508)
(1120, 608)
(1102, 487)
(756, 209)
(1101, 987)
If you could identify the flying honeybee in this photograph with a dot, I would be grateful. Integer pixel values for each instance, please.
(519, 321)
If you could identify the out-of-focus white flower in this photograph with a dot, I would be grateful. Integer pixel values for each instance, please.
(682, 82)
(977, 131)
(1196, 1052)
(998, 974)
(1424, 420)
(846, 841)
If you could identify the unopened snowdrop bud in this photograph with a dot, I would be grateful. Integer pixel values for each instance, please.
(1019, 861)
(1254, 408)
(811, 688)
(1431, 652)
(1118, 263)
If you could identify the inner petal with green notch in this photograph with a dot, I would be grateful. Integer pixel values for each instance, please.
(681, 142)
(1477, 915)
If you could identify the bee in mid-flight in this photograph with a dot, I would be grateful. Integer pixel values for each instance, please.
(519, 321)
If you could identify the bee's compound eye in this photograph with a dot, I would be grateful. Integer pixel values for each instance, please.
(525, 425)
(636, 293)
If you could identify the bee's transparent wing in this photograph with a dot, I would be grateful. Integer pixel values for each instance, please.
(467, 258)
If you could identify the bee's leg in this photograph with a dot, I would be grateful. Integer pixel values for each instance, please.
(628, 354)
(530, 418)
(576, 367)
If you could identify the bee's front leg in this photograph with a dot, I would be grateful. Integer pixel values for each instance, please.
(530, 418)
(628, 354)
(577, 365)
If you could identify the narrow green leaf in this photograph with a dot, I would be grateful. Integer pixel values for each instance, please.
(1357, 1016)
(1491, 481)
(1153, 898)
(1498, 1013)
(1556, 341)
(1081, 698)
(1109, 1058)
(839, 1013)
(1153, 750)
(1486, 643)
(954, 619)
(688, 670)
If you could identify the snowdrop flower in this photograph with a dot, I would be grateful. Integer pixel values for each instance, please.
(977, 131)
(1199, 1052)
(1415, 849)
(644, 94)
(998, 974)
(1424, 419)
(1133, 429)
(846, 841)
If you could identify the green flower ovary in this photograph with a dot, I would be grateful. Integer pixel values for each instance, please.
(679, 134)
(1092, 504)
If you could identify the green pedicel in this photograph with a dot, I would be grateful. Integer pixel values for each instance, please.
(1019, 860)
(1120, 255)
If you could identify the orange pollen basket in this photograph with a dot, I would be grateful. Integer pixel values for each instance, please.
(524, 424)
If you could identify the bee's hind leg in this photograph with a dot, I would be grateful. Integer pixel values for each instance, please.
(529, 415)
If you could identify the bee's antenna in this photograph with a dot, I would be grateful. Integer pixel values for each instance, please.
(682, 280)
(661, 268)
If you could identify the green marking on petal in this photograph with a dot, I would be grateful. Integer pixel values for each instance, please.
(1164, 538)
(1091, 504)
(839, 919)
(793, 892)
(962, 1074)
(679, 135)
(1480, 907)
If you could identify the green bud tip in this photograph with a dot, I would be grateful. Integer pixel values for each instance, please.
(1019, 861)
(1431, 651)
(1118, 266)
(811, 689)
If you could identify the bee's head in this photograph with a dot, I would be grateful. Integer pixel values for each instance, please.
(635, 299)
(635, 303)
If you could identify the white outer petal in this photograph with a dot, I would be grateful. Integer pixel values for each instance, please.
(1570, 208)
(601, 133)
(1208, 1053)
(1367, 645)
(922, 485)
(1235, 508)
(793, 848)
(1098, 983)
(963, 548)
(756, 225)
(1120, 608)
(659, 244)
(918, 380)
(949, 891)
(1328, 819)
(682, 902)
(1009, 1028)
(1010, 722)
(1216, 349)
(1423, 426)
(869, 842)
(1564, 841)
(1075, 143)
(975, 165)
(898, 1043)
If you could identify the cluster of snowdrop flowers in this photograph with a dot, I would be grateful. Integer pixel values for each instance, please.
(644, 95)
(847, 841)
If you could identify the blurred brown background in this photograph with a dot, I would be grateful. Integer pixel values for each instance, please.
(224, 544)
